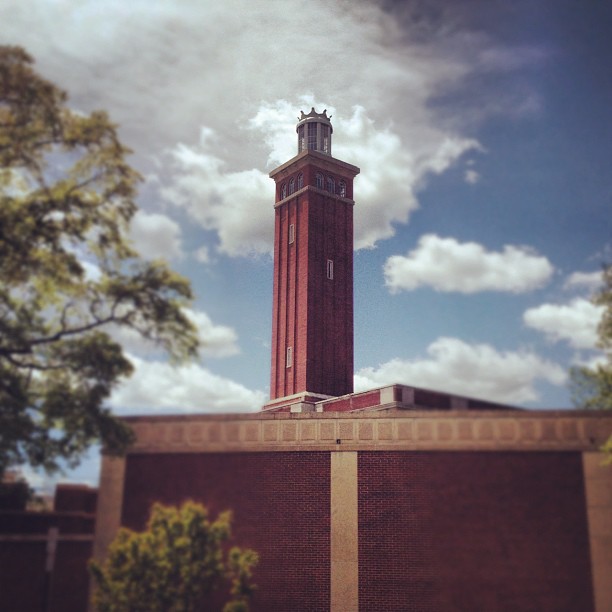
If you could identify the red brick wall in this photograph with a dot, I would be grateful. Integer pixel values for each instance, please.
(281, 509)
(473, 532)
(22, 576)
(354, 401)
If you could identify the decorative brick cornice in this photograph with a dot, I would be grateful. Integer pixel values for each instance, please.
(427, 430)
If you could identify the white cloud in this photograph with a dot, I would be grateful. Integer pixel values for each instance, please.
(237, 205)
(474, 370)
(158, 386)
(216, 340)
(202, 255)
(575, 322)
(164, 69)
(471, 177)
(584, 280)
(592, 361)
(448, 265)
(156, 236)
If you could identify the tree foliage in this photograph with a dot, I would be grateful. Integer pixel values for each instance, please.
(174, 565)
(592, 387)
(70, 277)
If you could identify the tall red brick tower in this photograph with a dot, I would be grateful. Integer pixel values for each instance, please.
(312, 321)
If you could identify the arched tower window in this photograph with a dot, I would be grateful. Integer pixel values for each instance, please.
(291, 186)
(283, 191)
(331, 185)
(300, 181)
(301, 143)
(320, 180)
(342, 189)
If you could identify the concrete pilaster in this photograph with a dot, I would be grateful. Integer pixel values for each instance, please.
(110, 503)
(344, 578)
(598, 487)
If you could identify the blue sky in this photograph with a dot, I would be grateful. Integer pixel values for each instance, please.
(483, 131)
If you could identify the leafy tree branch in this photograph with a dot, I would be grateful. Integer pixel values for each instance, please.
(71, 276)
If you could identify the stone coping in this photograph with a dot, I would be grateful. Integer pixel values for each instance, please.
(386, 413)
(398, 430)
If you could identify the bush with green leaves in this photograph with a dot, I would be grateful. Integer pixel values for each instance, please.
(174, 564)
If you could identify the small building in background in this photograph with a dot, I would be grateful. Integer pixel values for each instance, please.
(44, 553)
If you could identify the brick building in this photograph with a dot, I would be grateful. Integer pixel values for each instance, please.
(44, 554)
(397, 498)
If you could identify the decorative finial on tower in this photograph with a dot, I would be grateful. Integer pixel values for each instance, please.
(314, 131)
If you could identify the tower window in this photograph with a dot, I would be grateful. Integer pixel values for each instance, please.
(331, 185)
(325, 135)
(289, 360)
(291, 186)
(342, 189)
(301, 146)
(291, 234)
(283, 192)
(300, 181)
(319, 180)
(330, 269)
(312, 135)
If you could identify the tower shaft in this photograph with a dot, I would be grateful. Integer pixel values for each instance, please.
(312, 322)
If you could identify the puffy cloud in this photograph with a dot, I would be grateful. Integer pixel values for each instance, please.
(575, 322)
(216, 340)
(448, 265)
(583, 280)
(474, 370)
(150, 64)
(157, 385)
(156, 236)
(391, 169)
(237, 205)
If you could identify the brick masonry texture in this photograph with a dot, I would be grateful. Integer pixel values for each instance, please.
(22, 576)
(281, 506)
(498, 531)
(311, 313)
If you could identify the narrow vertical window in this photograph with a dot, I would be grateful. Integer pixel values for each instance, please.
(325, 134)
(300, 181)
(330, 269)
(331, 185)
(289, 356)
(301, 145)
(319, 180)
(312, 135)
(283, 192)
(291, 234)
(291, 186)
(342, 189)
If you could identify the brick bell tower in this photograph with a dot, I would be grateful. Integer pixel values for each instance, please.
(312, 320)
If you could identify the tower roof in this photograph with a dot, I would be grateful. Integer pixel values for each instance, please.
(313, 116)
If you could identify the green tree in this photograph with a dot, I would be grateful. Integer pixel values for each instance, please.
(174, 565)
(69, 274)
(592, 387)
